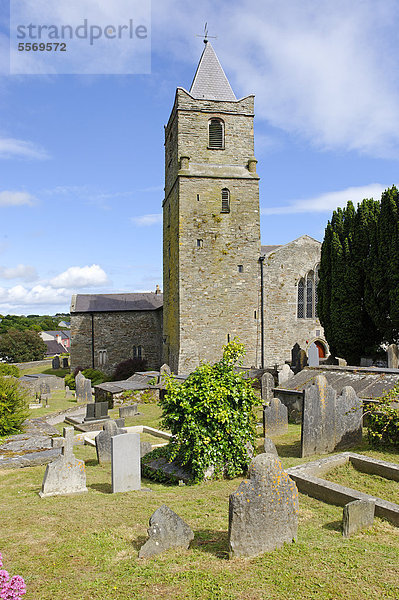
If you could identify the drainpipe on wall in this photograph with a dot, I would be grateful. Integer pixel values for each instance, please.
(262, 316)
(92, 340)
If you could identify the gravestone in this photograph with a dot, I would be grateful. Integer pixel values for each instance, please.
(44, 390)
(329, 423)
(55, 363)
(96, 411)
(164, 370)
(357, 515)
(65, 363)
(125, 462)
(275, 418)
(263, 512)
(267, 385)
(313, 355)
(285, 374)
(103, 441)
(393, 356)
(366, 361)
(86, 393)
(66, 474)
(79, 387)
(295, 356)
(68, 393)
(167, 530)
(128, 411)
(145, 448)
(302, 359)
(269, 447)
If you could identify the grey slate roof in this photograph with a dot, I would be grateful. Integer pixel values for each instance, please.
(367, 382)
(267, 249)
(53, 347)
(116, 302)
(210, 81)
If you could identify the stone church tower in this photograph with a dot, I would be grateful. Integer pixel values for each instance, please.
(211, 229)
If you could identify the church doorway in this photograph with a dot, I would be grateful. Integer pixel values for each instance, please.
(321, 349)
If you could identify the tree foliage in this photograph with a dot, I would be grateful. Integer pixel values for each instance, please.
(211, 417)
(13, 405)
(383, 420)
(29, 323)
(358, 290)
(21, 346)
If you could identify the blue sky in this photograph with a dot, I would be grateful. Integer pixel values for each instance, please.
(81, 156)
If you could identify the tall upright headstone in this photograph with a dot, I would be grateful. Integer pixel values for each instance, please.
(295, 356)
(285, 374)
(86, 392)
(66, 474)
(329, 423)
(302, 359)
(79, 387)
(126, 462)
(103, 441)
(55, 363)
(313, 355)
(267, 385)
(393, 356)
(263, 512)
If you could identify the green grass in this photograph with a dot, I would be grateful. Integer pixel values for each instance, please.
(56, 403)
(86, 546)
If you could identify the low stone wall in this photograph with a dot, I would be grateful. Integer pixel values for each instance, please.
(30, 365)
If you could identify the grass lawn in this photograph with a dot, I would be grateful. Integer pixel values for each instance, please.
(86, 546)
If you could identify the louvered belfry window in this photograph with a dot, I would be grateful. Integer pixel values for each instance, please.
(225, 201)
(216, 133)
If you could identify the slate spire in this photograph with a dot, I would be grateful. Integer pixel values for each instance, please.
(210, 81)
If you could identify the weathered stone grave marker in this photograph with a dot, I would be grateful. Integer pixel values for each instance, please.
(66, 474)
(285, 374)
(167, 530)
(313, 355)
(357, 515)
(295, 356)
(65, 362)
(55, 363)
(266, 386)
(103, 441)
(68, 393)
(263, 512)
(393, 356)
(269, 447)
(330, 422)
(275, 418)
(96, 411)
(79, 386)
(302, 359)
(128, 411)
(125, 462)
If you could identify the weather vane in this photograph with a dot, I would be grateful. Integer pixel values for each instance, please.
(206, 36)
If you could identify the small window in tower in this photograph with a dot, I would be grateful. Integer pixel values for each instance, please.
(241, 268)
(216, 134)
(137, 351)
(200, 243)
(225, 201)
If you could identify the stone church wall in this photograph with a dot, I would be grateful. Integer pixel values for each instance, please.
(117, 333)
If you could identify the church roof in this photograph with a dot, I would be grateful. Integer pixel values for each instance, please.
(116, 302)
(210, 81)
(267, 249)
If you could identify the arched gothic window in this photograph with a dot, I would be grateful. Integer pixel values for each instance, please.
(225, 201)
(307, 295)
(216, 133)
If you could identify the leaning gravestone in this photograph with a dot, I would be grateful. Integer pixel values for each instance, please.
(393, 356)
(313, 355)
(79, 386)
(125, 461)
(285, 374)
(103, 441)
(66, 474)
(128, 411)
(55, 363)
(267, 385)
(263, 512)
(357, 515)
(167, 530)
(330, 423)
(275, 418)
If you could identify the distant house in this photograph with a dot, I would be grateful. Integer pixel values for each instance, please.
(64, 325)
(63, 338)
(53, 347)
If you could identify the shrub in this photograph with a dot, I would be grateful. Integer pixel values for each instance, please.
(211, 417)
(22, 346)
(127, 368)
(11, 589)
(95, 376)
(70, 381)
(13, 406)
(11, 370)
(383, 420)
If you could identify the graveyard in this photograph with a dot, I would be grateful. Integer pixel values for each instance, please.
(94, 541)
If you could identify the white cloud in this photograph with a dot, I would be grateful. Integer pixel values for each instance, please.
(12, 148)
(77, 277)
(145, 220)
(328, 201)
(25, 272)
(8, 198)
(325, 72)
(38, 295)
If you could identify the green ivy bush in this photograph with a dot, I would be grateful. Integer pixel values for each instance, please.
(13, 406)
(383, 420)
(211, 417)
(10, 370)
